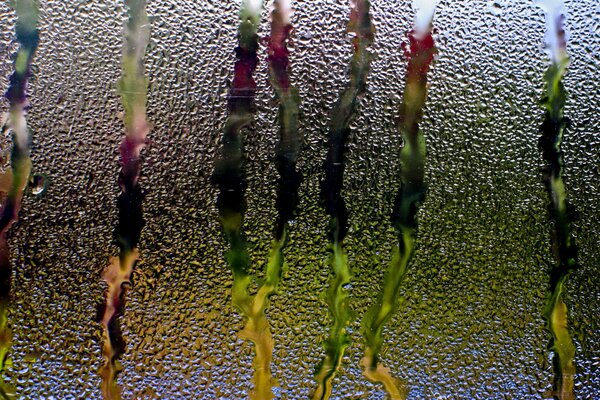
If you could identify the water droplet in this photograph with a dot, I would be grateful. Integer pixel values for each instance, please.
(496, 8)
(39, 183)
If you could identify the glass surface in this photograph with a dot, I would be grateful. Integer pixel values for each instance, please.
(470, 324)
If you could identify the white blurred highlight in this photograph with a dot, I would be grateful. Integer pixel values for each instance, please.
(253, 6)
(285, 8)
(425, 10)
(554, 12)
(551, 4)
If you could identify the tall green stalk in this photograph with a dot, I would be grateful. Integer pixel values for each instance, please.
(563, 244)
(408, 200)
(133, 88)
(362, 28)
(229, 176)
(18, 176)
(257, 327)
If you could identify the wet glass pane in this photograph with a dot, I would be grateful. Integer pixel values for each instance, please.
(469, 321)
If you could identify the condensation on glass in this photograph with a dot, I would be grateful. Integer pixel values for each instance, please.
(470, 324)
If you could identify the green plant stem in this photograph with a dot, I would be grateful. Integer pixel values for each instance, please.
(338, 341)
(408, 200)
(257, 328)
(132, 87)
(229, 176)
(18, 176)
(563, 244)
(362, 28)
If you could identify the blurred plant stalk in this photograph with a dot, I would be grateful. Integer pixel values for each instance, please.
(362, 30)
(420, 54)
(15, 180)
(257, 328)
(563, 245)
(133, 88)
(229, 176)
